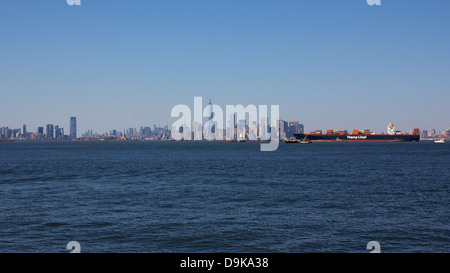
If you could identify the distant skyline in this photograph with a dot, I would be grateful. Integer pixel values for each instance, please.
(329, 64)
(72, 131)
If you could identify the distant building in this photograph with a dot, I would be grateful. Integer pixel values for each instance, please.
(283, 128)
(49, 130)
(59, 132)
(146, 132)
(424, 134)
(56, 132)
(294, 127)
(253, 130)
(16, 133)
(432, 133)
(73, 127)
(446, 134)
(264, 129)
(8, 133)
(40, 130)
(3, 132)
(241, 130)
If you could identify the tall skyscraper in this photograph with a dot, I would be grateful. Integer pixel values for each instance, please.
(73, 127)
(3, 132)
(49, 130)
(282, 128)
(56, 132)
(24, 130)
(293, 128)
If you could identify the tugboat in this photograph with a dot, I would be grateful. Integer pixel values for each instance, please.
(235, 140)
(291, 140)
(305, 141)
(439, 140)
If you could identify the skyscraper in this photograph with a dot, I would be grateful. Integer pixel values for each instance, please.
(73, 127)
(294, 127)
(282, 128)
(3, 132)
(56, 132)
(49, 130)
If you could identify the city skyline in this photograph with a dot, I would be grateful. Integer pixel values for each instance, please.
(363, 67)
(286, 129)
(308, 127)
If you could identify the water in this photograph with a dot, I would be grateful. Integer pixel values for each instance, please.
(224, 197)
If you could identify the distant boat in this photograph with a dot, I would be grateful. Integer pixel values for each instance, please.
(305, 141)
(439, 140)
(235, 140)
(291, 140)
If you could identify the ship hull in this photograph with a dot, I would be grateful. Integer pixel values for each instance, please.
(359, 138)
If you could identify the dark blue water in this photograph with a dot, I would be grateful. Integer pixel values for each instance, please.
(224, 197)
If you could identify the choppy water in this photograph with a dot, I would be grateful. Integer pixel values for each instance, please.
(224, 197)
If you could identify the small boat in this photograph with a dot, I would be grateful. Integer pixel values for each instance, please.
(235, 140)
(305, 141)
(439, 140)
(291, 140)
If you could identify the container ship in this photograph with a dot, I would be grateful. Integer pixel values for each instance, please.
(360, 136)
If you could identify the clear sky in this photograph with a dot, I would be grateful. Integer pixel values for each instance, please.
(116, 64)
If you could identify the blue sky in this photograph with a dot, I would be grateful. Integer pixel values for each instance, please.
(331, 64)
